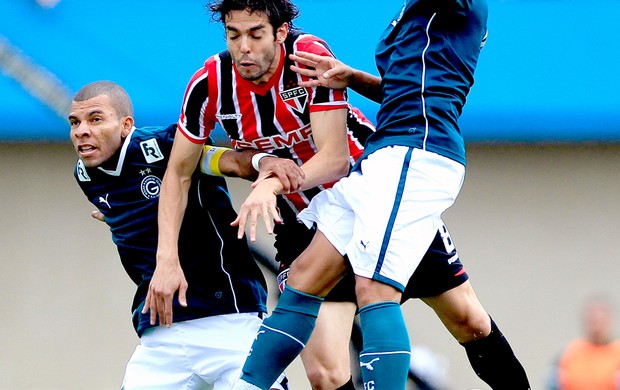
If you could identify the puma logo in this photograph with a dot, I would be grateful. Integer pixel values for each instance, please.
(105, 200)
(368, 365)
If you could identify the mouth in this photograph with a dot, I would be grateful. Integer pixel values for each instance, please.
(246, 64)
(86, 150)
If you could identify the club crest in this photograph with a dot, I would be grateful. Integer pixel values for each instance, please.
(296, 98)
(150, 186)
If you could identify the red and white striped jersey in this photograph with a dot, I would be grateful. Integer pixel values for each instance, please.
(273, 117)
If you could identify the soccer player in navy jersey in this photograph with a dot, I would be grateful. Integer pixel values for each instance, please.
(120, 170)
(385, 214)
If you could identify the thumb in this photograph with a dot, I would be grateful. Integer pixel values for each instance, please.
(183, 295)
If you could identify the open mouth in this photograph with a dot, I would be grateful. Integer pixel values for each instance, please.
(86, 150)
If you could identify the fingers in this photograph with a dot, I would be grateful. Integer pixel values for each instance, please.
(268, 214)
(239, 222)
(159, 304)
(161, 309)
(183, 295)
(288, 173)
(305, 58)
(96, 214)
(308, 72)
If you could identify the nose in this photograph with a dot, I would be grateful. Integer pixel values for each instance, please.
(245, 45)
(81, 130)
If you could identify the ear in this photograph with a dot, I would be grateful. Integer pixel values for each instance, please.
(127, 123)
(282, 33)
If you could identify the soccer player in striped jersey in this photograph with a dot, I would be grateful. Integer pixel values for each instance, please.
(120, 170)
(384, 215)
(251, 92)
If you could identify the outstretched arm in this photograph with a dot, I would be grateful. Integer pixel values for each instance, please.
(221, 161)
(332, 73)
(329, 164)
(168, 277)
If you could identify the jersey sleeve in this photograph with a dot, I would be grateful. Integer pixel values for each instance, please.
(322, 98)
(197, 118)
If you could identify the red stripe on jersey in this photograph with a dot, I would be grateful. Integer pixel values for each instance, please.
(189, 135)
(246, 105)
(329, 106)
(193, 123)
(209, 120)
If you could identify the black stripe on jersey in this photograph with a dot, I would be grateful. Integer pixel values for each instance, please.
(360, 130)
(197, 97)
(322, 93)
(290, 79)
(267, 114)
(226, 94)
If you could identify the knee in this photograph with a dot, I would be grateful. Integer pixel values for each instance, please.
(469, 326)
(370, 291)
(323, 378)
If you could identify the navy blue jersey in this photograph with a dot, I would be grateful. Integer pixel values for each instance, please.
(426, 58)
(221, 272)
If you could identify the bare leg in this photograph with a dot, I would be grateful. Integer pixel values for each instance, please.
(326, 355)
(461, 313)
(488, 351)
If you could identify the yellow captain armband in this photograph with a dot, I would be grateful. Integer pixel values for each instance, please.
(210, 159)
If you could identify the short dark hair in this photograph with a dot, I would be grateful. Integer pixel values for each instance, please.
(278, 11)
(118, 96)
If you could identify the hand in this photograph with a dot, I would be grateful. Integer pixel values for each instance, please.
(167, 279)
(260, 202)
(291, 175)
(98, 215)
(322, 70)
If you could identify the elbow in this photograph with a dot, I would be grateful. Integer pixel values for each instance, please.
(341, 167)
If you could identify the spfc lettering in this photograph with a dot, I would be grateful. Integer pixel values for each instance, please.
(296, 98)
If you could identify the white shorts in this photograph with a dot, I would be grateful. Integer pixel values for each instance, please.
(385, 215)
(206, 353)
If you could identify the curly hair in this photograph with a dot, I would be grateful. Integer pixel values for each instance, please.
(278, 11)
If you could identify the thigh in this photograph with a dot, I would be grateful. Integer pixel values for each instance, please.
(158, 363)
(292, 238)
(328, 346)
(217, 346)
(318, 269)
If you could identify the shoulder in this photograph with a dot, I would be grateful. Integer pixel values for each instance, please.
(301, 41)
(164, 133)
(153, 142)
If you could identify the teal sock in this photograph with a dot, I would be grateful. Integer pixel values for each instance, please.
(281, 337)
(386, 355)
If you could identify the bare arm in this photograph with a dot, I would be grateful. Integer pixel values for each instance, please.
(332, 73)
(234, 163)
(330, 163)
(168, 276)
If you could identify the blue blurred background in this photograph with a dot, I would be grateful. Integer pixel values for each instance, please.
(549, 71)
